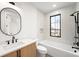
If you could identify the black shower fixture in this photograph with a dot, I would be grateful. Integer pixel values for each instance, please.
(76, 18)
(74, 13)
(12, 3)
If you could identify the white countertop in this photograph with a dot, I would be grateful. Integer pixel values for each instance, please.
(17, 46)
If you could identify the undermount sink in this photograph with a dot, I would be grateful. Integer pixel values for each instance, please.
(12, 45)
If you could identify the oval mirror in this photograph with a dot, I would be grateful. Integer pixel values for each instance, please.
(10, 21)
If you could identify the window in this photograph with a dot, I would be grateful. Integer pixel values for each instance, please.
(55, 25)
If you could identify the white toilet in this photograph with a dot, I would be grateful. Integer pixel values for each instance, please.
(41, 51)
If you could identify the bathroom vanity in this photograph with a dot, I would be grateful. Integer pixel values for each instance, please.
(26, 49)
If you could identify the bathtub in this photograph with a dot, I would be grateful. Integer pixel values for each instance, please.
(59, 49)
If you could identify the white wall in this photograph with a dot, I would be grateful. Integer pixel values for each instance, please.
(77, 6)
(67, 26)
(41, 25)
(31, 20)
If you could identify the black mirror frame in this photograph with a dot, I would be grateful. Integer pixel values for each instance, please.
(20, 22)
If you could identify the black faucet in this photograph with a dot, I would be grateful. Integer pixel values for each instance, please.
(13, 39)
(8, 42)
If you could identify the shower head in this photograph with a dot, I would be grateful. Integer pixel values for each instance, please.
(13, 3)
(72, 15)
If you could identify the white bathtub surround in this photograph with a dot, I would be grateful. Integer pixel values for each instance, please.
(59, 49)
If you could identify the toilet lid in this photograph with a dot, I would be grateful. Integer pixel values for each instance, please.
(41, 49)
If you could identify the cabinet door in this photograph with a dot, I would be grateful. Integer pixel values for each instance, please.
(12, 54)
(29, 51)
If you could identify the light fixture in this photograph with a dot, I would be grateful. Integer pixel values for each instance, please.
(54, 5)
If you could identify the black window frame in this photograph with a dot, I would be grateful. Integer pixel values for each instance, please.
(60, 25)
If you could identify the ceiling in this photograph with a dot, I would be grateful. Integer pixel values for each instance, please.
(46, 7)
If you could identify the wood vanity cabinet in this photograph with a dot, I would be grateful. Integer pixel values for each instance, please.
(12, 54)
(28, 51)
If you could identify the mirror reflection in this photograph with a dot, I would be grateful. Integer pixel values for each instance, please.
(10, 21)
